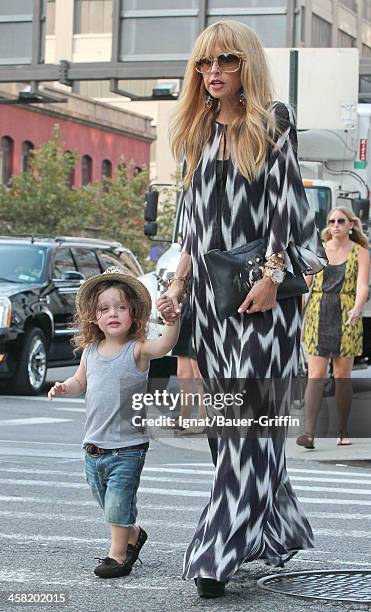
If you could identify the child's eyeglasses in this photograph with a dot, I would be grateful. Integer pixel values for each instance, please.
(227, 62)
(341, 221)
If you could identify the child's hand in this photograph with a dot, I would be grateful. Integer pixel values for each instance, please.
(174, 320)
(57, 389)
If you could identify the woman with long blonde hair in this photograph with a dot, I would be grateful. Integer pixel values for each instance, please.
(242, 183)
(333, 322)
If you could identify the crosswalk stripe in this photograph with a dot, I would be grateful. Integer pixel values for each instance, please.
(88, 519)
(160, 522)
(92, 503)
(290, 470)
(59, 400)
(315, 479)
(72, 485)
(334, 502)
(182, 508)
(333, 490)
(32, 421)
(83, 485)
(21, 537)
(159, 478)
(12, 442)
(329, 472)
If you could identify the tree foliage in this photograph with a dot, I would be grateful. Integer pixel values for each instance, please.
(41, 201)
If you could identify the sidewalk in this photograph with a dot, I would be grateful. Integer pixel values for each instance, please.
(326, 448)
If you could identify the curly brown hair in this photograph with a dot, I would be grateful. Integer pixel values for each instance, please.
(86, 322)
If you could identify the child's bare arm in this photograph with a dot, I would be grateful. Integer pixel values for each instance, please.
(159, 347)
(72, 387)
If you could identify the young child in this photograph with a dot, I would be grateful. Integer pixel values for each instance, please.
(113, 309)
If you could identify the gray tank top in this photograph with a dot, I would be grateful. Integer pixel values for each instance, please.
(111, 383)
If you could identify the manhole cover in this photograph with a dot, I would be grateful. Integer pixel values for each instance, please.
(350, 586)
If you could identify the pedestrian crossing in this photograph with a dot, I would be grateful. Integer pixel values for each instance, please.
(46, 507)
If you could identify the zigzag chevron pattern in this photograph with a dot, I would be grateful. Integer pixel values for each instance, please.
(253, 511)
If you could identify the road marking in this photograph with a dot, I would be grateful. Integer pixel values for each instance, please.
(339, 533)
(290, 470)
(33, 421)
(60, 400)
(334, 502)
(315, 479)
(330, 472)
(75, 485)
(158, 478)
(182, 493)
(182, 508)
(177, 471)
(88, 519)
(28, 452)
(92, 503)
(43, 443)
(178, 481)
(71, 409)
(165, 522)
(333, 490)
(21, 537)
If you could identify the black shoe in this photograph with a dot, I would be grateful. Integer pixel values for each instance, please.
(133, 550)
(110, 568)
(209, 588)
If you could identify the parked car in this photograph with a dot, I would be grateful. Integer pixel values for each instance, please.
(39, 279)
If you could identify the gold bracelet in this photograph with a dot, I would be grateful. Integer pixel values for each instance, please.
(274, 266)
(171, 280)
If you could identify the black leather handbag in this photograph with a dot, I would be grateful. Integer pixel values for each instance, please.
(233, 273)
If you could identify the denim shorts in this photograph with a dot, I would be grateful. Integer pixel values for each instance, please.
(114, 481)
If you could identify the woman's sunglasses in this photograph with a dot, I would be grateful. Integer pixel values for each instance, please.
(227, 62)
(341, 221)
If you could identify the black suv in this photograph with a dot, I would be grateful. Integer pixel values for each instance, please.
(39, 278)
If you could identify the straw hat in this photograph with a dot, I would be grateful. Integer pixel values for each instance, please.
(114, 273)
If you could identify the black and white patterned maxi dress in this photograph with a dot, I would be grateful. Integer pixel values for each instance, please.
(253, 511)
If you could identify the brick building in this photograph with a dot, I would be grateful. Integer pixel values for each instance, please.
(101, 135)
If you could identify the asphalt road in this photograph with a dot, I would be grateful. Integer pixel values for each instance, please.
(51, 529)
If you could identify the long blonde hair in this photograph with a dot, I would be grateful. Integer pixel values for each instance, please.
(190, 128)
(357, 234)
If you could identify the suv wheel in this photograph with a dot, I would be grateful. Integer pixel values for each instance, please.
(29, 378)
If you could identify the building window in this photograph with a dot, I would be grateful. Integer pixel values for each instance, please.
(86, 169)
(93, 16)
(366, 10)
(27, 148)
(6, 159)
(50, 18)
(351, 4)
(302, 25)
(106, 168)
(321, 32)
(366, 51)
(345, 40)
(70, 178)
